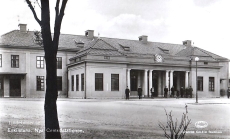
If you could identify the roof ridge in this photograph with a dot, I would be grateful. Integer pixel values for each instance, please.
(206, 53)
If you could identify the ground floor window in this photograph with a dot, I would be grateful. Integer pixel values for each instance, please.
(72, 83)
(211, 84)
(114, 82)
(59, 83)
(82, 82)
(77, 82)
(98, 81)
(200, 83)
(40, 83)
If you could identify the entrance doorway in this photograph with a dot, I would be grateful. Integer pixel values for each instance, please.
(15, 87)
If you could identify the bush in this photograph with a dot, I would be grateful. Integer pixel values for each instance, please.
(222, 92)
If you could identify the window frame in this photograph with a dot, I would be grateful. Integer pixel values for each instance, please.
(59, 62)
(40, 62)
(211, 84)
(82, 82)
(200, 83)
(40, 84)
(114, 82)
(59, 83)
(72, 82)
(15, 61)
(77, 82)
(99, 82)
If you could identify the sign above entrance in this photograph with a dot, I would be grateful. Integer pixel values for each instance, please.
(158, 58)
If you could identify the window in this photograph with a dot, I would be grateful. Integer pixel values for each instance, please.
(0, 60)
(211, 84)
(72, 81)
(15, 61)
(205, 63)
(82, 82)
(115, 82)
(77, 82)
(59, 83)
(98, 81)
(40, 83)
(59, 62)
(40, 62)
(200, 84)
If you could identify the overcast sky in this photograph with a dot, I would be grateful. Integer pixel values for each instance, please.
(205, 22)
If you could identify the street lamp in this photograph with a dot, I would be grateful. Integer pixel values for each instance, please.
(196, 59)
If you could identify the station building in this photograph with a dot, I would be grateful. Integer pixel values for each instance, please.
(90, 66)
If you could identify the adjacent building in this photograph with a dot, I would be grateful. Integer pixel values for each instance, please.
(89, 66)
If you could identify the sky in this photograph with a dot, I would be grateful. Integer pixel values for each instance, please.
(205, 22)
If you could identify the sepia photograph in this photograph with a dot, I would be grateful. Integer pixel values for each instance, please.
(114, 69)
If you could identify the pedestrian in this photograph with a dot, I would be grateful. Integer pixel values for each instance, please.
(139, 90)
(165, 91)
(181, 92)
(172, 91)
(127, 92)
(152, 92)
(228, 92)
(186, 92)
(177, 94)
(190, 91)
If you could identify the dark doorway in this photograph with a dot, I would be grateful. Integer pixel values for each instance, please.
(155, 83)
(15, 87)
(1, 87)
(133, 76)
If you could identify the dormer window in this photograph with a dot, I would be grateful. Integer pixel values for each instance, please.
(38, 38)
(79, 44)
(125, 48)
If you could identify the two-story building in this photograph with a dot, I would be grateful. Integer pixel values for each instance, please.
(98, 67)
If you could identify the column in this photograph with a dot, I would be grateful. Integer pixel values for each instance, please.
(186, 79)
(145, 83)
(171, 80)
(128, 79)
(167, 78)
(150, 81)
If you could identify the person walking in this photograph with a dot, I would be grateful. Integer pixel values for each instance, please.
(182, 92)
(177, 94)
(152, 92)
(228, 92)
(172, 91)
(139, 91)
(190, 91)
(127, 92)
(165, 91)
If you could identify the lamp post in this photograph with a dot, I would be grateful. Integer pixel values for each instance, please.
(196, 59)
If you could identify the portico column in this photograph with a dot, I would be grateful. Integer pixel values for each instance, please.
(186, 79)
(167, 78)
(128, 78)
(171, 79)
(150, 80)
(145, 83)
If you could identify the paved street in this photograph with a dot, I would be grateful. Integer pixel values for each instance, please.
(114, 118)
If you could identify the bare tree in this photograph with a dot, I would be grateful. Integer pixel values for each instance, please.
(50, 44)
(176, 130)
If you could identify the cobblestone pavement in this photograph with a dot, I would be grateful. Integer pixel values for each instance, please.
(114, 118)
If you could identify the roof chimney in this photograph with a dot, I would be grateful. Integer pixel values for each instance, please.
(22, 27)
(187, 43)
(89, 34)
(143, 39)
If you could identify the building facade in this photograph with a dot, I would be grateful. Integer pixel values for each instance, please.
(99, 67)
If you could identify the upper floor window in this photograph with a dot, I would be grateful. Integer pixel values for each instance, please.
(40, 62)
(0, 60)
(59, 62)
(211, 84)
(15, 61)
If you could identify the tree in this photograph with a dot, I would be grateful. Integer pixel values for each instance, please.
(50, 44)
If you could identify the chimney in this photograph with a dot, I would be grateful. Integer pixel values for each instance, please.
(22, 27)
(187, 43)
(143, 39)
(89, 34)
